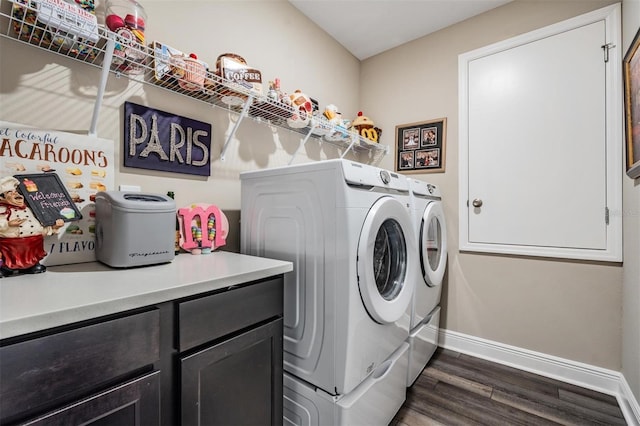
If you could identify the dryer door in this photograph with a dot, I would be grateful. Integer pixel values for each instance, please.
(384, 260)
(433, 244)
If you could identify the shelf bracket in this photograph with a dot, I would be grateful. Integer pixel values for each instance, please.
(243, 114)
(354, 138)
(314, 124)
(104, 76)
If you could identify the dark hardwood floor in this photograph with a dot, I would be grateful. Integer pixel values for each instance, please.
(457, 389)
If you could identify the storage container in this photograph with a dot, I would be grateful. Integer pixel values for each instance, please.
(128, 20)
(237, 74)
(61, 25)
(126, 13)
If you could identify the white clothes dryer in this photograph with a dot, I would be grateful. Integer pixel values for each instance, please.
(431, 236)
(346, 227)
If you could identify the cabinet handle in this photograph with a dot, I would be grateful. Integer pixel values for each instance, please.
(477, 202)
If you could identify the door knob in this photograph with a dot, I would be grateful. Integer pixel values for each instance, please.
(477, 202)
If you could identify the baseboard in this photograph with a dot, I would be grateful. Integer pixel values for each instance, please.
(577, 373)
(628, 403)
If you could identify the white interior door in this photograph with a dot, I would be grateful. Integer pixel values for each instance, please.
(537, 144)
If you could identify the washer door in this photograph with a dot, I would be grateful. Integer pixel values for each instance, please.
(433, 244)
(384, 259)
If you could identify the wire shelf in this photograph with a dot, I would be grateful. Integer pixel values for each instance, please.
(23, 21)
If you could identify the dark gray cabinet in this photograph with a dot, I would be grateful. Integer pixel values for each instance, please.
(49, 372)
(200, 360)
(231, 373)
(235, 382)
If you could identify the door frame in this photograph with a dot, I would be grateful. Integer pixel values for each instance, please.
(614, 123)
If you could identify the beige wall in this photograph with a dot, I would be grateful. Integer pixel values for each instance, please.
(567, 309)
(631, 223)
(48, 91)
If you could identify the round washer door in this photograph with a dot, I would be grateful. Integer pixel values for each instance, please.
(384, 261)
(433, 244)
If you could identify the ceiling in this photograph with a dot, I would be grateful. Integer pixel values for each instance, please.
(369, 27)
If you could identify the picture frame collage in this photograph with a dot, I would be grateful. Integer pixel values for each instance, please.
(420, 147)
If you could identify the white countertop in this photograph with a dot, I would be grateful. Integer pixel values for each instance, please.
(70, 293)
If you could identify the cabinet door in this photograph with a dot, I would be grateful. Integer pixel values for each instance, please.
(133, 403)
(235, 382)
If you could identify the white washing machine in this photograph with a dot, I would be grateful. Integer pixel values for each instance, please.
(431, 236)
(346, 227)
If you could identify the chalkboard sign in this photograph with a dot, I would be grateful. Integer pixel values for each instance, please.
(47, 197)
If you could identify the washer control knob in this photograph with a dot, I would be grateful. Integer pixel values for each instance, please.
(384, 175)
(477, 202)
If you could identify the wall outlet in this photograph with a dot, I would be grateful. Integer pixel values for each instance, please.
(130, 188)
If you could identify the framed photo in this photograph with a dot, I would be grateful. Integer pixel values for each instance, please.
(420, 147)
(631, 69)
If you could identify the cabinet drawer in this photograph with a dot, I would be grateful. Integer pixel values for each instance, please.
(210, 317)
(45, 371)
(132, 403)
